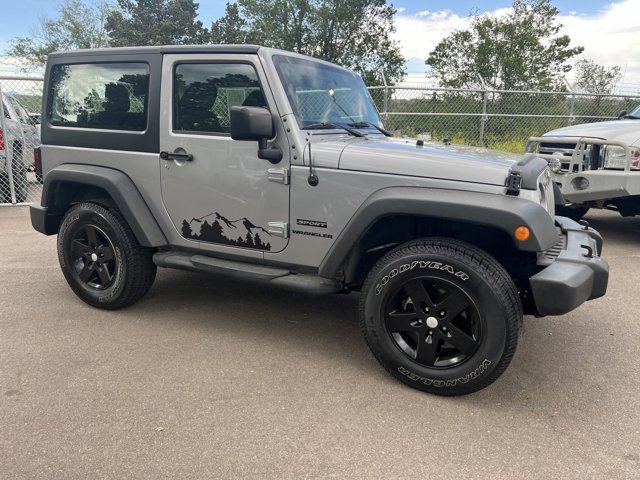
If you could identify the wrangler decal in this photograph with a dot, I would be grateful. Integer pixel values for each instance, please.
(446, 383)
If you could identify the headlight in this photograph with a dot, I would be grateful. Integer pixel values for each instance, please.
(616, 157)
(545, 191)
(554, 165)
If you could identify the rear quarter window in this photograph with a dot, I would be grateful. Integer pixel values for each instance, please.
(108, 96)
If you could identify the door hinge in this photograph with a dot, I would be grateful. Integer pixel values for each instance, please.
(278, 229)
(278, 175)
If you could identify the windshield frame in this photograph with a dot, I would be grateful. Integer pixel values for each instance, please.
(350, 81)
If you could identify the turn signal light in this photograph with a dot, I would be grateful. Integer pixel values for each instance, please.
(522, 233)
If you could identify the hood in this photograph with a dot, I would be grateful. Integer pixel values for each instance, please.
(627, 131)
(404, 157)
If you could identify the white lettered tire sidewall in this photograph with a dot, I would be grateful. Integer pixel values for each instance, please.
(497, 322)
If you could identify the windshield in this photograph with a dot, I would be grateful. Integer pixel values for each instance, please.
(635, 112)
(321, 93)
(21, 112)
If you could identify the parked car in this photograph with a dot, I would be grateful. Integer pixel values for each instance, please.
(275, 167)
(20, 135)
(596, 165)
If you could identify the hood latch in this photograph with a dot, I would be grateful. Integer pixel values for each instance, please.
(513, 183)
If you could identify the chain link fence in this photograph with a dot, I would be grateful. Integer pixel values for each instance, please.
(497, 119)
(20, 183)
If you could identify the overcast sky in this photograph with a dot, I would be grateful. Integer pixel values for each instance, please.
(608, 30)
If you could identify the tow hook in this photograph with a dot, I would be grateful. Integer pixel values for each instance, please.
(589, 250)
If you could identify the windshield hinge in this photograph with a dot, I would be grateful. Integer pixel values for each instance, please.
(278, 175)
(513, 183)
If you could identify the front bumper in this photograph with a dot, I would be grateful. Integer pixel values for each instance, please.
(572, 271)
(603, 185)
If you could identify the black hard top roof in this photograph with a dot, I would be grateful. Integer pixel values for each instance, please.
(162, 50)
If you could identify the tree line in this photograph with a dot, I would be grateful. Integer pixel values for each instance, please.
(522, 50)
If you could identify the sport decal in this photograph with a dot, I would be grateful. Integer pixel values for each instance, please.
(311, 223)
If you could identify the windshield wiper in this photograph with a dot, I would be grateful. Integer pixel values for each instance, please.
(327, 125)
(373, 125)
(632, 116)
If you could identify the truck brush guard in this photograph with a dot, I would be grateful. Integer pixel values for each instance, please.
(577, 154)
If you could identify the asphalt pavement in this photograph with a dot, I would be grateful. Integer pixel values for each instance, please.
(211, 378)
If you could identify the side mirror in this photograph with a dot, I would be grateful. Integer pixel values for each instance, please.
(622, 114)
(251, 123)
(255, 123)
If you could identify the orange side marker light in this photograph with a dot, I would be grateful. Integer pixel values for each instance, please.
(522, 233)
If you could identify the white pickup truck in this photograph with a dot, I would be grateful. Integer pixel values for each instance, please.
(596, 165)
(19, 134)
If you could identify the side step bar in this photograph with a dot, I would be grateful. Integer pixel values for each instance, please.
(273, 276)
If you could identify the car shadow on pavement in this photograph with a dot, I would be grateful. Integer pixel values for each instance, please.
(266, 314)
(614, 227)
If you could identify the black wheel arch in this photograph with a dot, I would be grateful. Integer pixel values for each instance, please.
(393, 216)
(69, 184)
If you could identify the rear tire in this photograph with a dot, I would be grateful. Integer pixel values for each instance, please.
(101, 259)
(441, 316)
(20, 182)
(19, 173)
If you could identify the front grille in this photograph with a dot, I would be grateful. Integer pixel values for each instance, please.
(560, 149)
(591, 158)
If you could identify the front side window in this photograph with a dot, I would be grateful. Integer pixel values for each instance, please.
(110, 96)
(321, 93)
(203, 94)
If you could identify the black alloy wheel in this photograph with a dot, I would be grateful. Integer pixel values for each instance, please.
(434, 322)
(93, 257)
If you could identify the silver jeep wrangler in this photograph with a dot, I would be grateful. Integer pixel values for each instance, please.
(275, 167)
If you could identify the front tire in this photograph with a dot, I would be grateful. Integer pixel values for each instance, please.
(101, 259)
(441, 316)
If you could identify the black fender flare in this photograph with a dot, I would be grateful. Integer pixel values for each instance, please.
(503, 212)
(120, 188)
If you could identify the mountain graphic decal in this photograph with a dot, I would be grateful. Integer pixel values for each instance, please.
(216, 228)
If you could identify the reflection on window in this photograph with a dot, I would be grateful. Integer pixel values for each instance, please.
(308, 85)
(110, 96)
(204, 93)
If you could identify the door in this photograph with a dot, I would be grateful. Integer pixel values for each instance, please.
(217, 192)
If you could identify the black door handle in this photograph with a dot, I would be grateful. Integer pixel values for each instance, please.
(187, 157)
